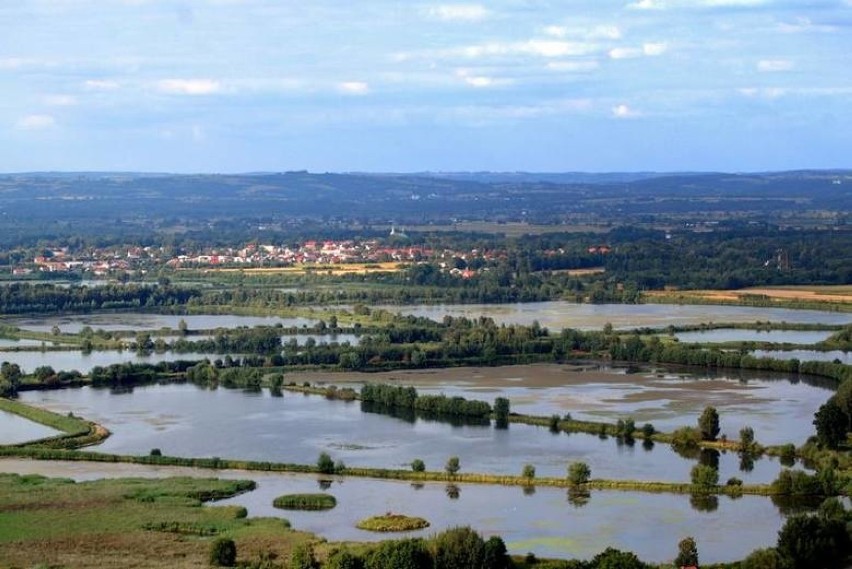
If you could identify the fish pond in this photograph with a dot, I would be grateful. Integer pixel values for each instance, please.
(186, 420)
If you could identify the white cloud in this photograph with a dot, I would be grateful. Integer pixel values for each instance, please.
(596, 32)
(101, 85)
(458, 12)
(573, 66)
(354, 87)
(189, 86)
(59, 100)
(36, 122)
(652, 49)
(647, 5)
(774, 65)
(624, 112)
(479, 81)
(762, 93)
(625, 53)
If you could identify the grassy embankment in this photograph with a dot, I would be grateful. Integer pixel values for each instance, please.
(77, 432)
(305, 502)
(129, 523)
(831, 298)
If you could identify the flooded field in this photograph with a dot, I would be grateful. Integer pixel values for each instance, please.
(542, 521)
(185, 420)
(556, 315)
(806, 355)
(15, 429)
(777, 406)
(131, 321)
(739, 335)
(84, 362)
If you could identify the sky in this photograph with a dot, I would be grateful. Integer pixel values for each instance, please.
(407, 86)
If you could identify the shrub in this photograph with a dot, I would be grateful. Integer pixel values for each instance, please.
(156, 452)
(687, 553)
(302, 557)
(325, 464)
(686, 438)
(708, 424)
(344, 560)
(402, 554)
(458, 548)
(528, 472)
(223, 552)
(579, 473)
(452, 467)
(305, 502)
(418, 465)
(705, 477)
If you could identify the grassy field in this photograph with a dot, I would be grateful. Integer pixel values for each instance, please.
(128, 523)
(838, 296)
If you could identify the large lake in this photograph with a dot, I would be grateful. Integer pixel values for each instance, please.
(544, 521)
(556, 315)
(15, 429)
(185, 420)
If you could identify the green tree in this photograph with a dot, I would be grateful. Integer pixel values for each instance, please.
(418, 465)
(687, 553)
(648, 431)
(458, 548)
(768, 558)
(612, 558)
(528, 471)
(325, 464)
(223, 552)
(705, 477)
(708, 424)
(501, 412)
(399, 554)
(453, 466)
(831, 424)
(746, 439)
(495, 554)
(811, 542)
(579, 473)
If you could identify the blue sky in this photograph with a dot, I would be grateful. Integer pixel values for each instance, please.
(381, 85)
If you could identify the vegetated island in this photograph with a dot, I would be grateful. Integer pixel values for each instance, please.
(391, 522)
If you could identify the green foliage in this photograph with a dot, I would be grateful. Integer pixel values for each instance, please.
(325, 464)
(746, 438)
(579, 473)
(528, 471)
(418, 465)
(612, 558)
(800, 483)
(453, 466)
(686, 438)
(704, 477)
(708, 424)
(501, 412)
(401, 554)
(302, 557)
(392, 523)
(223, 552)
(831, 424)
(768, 558)
(343, 560)
(458, 548)
(648, 431)
(495, 555)
(305, 502)
(811, 542)
(687, 553)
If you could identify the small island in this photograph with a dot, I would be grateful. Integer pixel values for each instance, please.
(392, 522)
(305, 502)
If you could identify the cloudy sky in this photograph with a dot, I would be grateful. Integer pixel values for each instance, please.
(382, 85)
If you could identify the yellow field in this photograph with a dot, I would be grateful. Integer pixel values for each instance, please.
(340, 269)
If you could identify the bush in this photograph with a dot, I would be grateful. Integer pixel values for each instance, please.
(705, 477)
(343, 560)
(687, 553)
(418, 465)
(402, 554)
(612, 558)
(708, 424)
(156, 452)
(495, 555)
(458, 548)
(686, 438)
(325, 464)
(528, 471)
(579, 473)
(764, 559)
(302, 558)
(305, 502)
(223, 552)
(452, 467)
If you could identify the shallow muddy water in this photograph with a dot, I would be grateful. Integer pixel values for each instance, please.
(556, 315)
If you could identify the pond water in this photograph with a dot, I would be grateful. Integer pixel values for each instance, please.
(740, 335)
(16, 343)
(556, 315)
(544, 521)
(806, 355)
(131, 321)
(15, 429)
(82, 362)
(185, 420)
